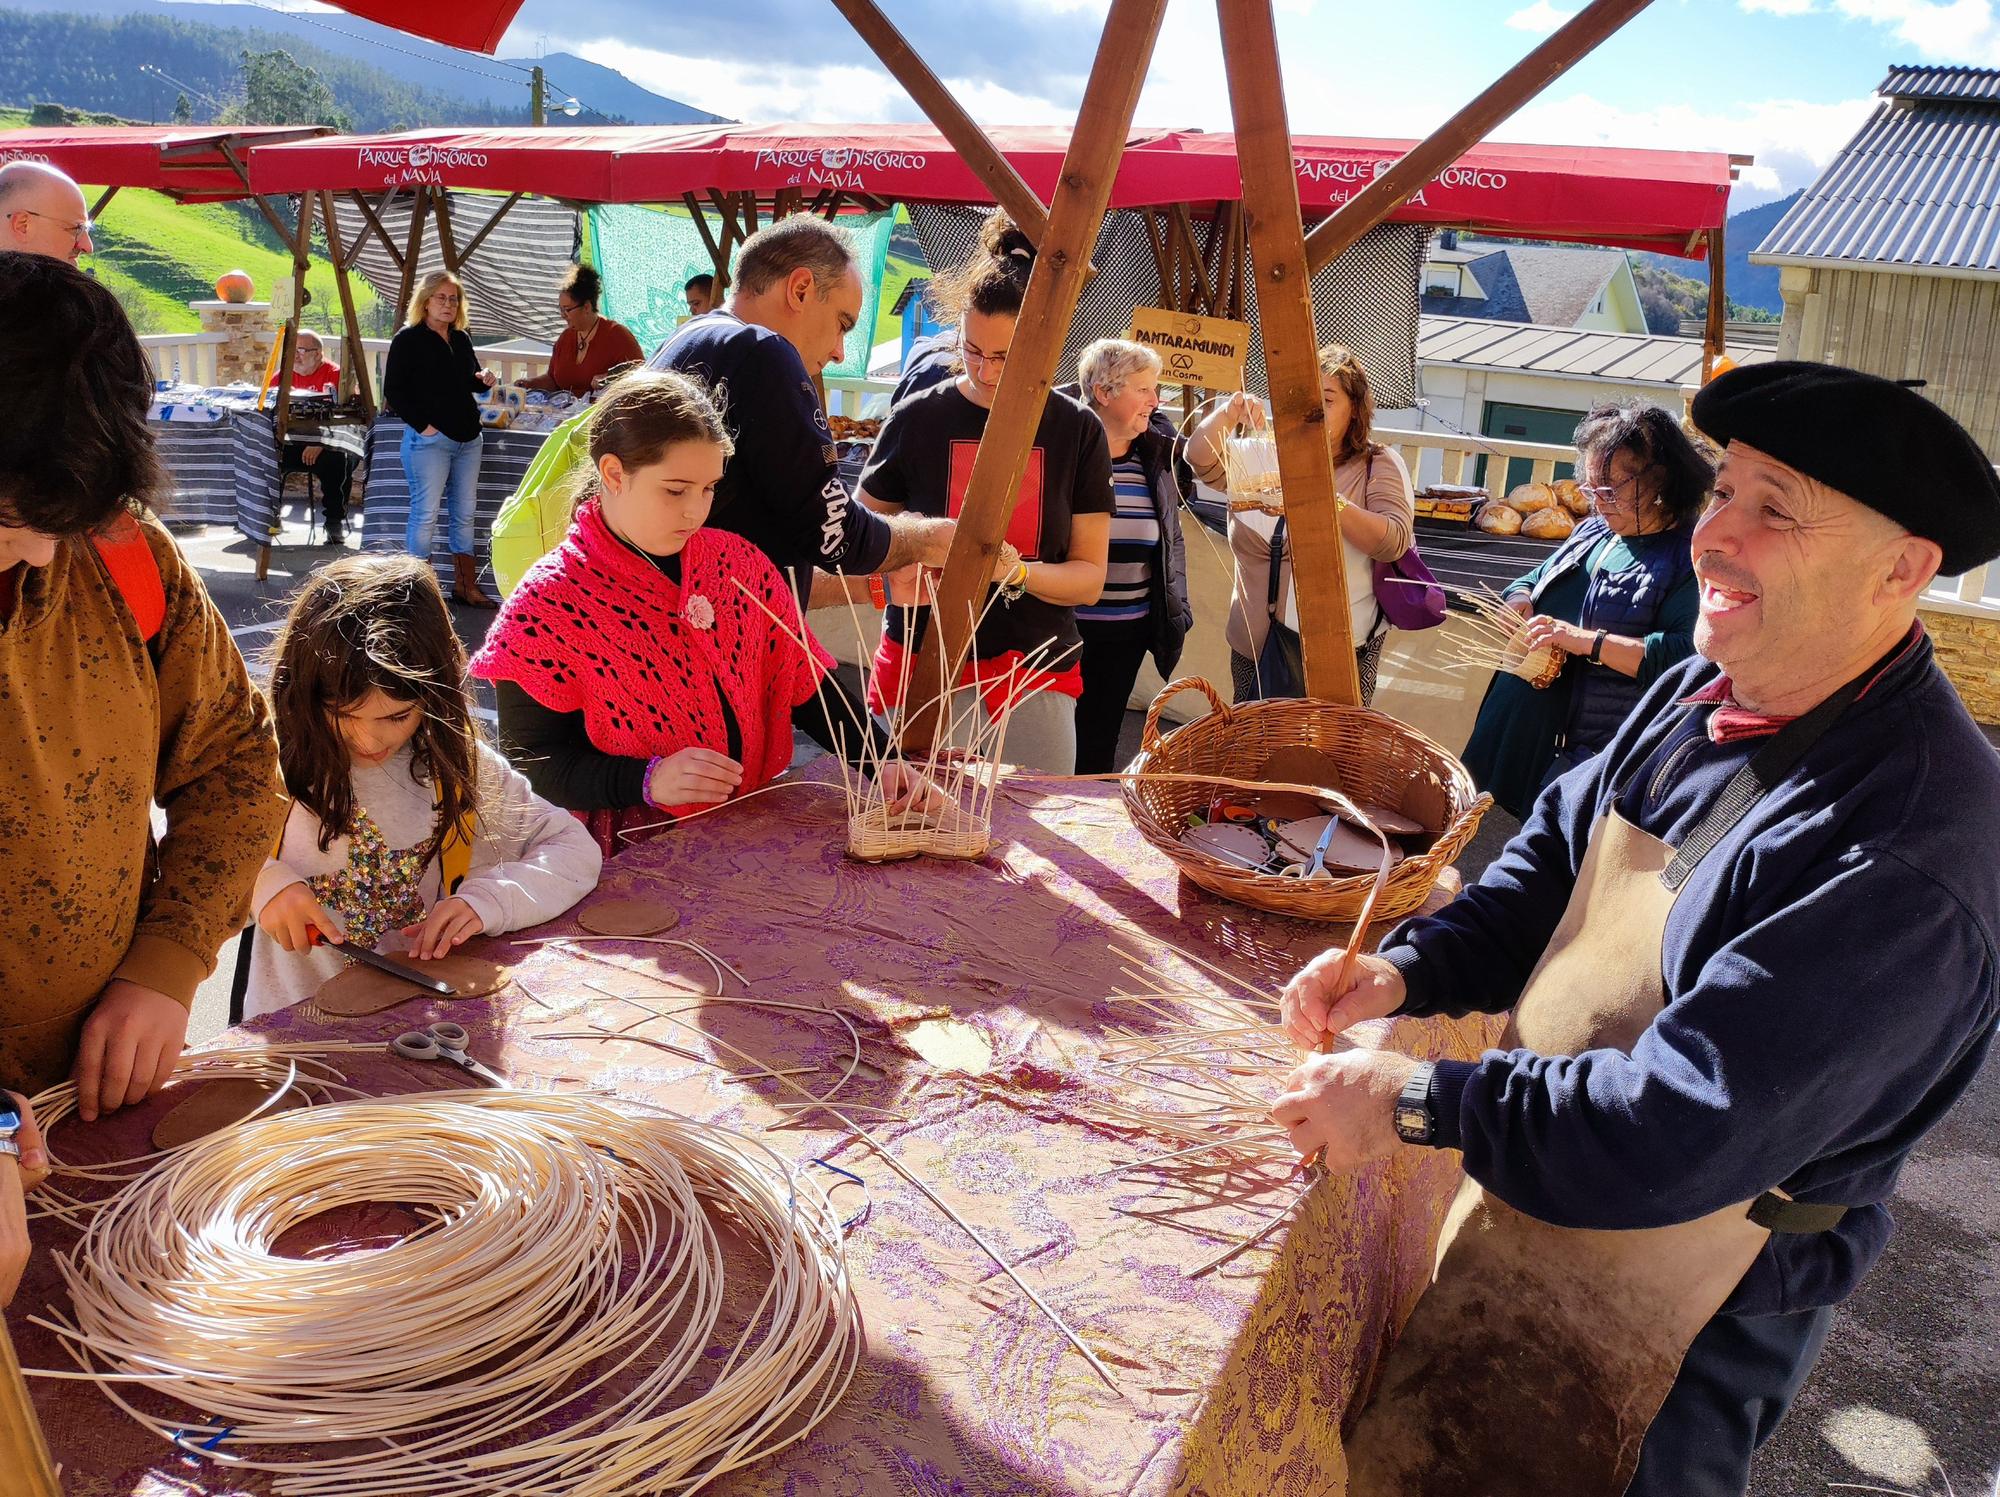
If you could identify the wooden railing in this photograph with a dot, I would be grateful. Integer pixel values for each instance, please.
(186, 358)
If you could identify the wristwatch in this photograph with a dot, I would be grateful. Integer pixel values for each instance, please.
(1597, 647)
(1415, 1123)
(10, 1124)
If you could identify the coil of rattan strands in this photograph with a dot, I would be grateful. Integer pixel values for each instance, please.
(552, 1327)
(292, 1073)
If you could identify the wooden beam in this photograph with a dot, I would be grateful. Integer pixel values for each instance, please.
(375, 223)
(1574, 40)
(716, 253)
(447, 240)
(357, 356)
(288, 337)
(1716, 329)
(1291, 362)
(22, 1448)
(271, 217)
(941, 109)
(98, 206)
(420, 202)
(1157, 238)
(489, 226)
(1054, 285)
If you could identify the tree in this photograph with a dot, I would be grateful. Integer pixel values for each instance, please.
(278, 91)
(183, 110)
(1662, 316)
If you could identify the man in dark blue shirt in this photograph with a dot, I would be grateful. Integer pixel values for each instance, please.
(1751, 954)
(795, 299)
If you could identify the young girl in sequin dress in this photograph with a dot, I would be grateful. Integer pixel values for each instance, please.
(407, 833)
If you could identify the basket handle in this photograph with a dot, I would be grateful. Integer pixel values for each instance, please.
(1150, 739)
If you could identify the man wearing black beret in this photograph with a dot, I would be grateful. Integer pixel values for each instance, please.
(1749, 957)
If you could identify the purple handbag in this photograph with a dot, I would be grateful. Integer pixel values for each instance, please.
(1408, 595)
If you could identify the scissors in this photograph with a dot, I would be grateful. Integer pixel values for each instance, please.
(1317, 867)
(444, 1041)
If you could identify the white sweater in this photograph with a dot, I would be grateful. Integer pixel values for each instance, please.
(530, 862)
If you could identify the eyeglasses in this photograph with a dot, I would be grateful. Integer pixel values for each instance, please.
(78, 231)
(1608, 497)
(983, 360)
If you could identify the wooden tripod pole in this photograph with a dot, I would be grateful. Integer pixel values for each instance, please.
(22, 1448)
(1053, 287)
(1574, 40)
(1291, 353)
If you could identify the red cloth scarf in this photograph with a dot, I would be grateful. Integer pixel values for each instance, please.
(1731, 721)
(596, 628)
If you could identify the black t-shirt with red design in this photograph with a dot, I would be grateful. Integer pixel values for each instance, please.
(923, 461)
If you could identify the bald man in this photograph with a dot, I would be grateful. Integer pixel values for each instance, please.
(42, 212)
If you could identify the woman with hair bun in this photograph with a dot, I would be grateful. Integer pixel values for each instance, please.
(1061, 524)
(592, 347)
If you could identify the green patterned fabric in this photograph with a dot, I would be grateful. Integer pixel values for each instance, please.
(647, 254)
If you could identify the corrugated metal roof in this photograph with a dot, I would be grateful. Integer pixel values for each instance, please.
(1942, 83)
(1545, 283)
(1572, 353)
(1917, 189)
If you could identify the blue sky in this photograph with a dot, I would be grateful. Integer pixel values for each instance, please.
(1786, 80)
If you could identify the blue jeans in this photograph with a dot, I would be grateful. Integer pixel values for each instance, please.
(440, 470)
(1735, 1385)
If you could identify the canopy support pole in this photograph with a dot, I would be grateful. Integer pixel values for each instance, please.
(1715, 331)
(447, 240)
(372, 222)
(1574, 40)
(420, 202)
(357, 356)
(488, 227)
(98, 207)
(1075, 216)
(716, 254)
(953, 123)
(1291, 362)
(289, 338)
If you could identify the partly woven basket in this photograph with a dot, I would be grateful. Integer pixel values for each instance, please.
(1381, 761)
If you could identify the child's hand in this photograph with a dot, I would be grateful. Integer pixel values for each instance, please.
(291, 915)
(694, 777)
(451, 922)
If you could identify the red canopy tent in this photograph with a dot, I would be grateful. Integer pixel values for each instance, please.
(476, 25)
(191, 163)
(1656, 200)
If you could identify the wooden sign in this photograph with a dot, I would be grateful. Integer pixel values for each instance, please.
(283, 303)
(1206, 351)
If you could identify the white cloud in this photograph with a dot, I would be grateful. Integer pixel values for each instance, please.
(1540, 18)
(1779, 7)
(1961, 31)
(1792, 140)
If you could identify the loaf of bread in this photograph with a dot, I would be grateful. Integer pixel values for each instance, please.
(1570, 495)
(1531, 497)
(1496, 518)
(1548, 525)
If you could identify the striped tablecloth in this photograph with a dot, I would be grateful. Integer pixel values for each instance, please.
(223, 472)
(503, 462)
(1461, 556)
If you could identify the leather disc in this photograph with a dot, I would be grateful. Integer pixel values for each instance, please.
(1395, 823)
(1296, 764)
(627, 917)
(360, 990)
(1347, 849)
(1237, 846)
(218, 1105)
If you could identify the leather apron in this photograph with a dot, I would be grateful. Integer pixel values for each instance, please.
(1539, 1355)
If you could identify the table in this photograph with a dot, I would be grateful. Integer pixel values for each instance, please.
(503, 463)
(1233, 1383)
(223, 472)
(1466, 556)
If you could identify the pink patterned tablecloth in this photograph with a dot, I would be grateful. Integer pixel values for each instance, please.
(1235, 1382)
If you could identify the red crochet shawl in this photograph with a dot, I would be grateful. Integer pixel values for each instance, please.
(596, 628)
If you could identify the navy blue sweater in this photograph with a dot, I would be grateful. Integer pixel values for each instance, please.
(1830, 973)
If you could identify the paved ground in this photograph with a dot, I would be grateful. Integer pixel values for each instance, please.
(1907, 1396)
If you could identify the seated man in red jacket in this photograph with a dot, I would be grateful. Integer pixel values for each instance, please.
(313, 373)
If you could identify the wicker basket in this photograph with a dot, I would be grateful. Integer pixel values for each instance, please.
(1380, 760)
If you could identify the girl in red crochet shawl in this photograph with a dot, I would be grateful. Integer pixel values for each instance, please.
(637, 681)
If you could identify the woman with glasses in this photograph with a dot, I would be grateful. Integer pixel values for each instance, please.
(1617, 599)
(592, 347)
(1029, 651)
(429, 380)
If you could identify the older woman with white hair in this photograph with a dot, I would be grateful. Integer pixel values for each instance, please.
(1144, 606)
